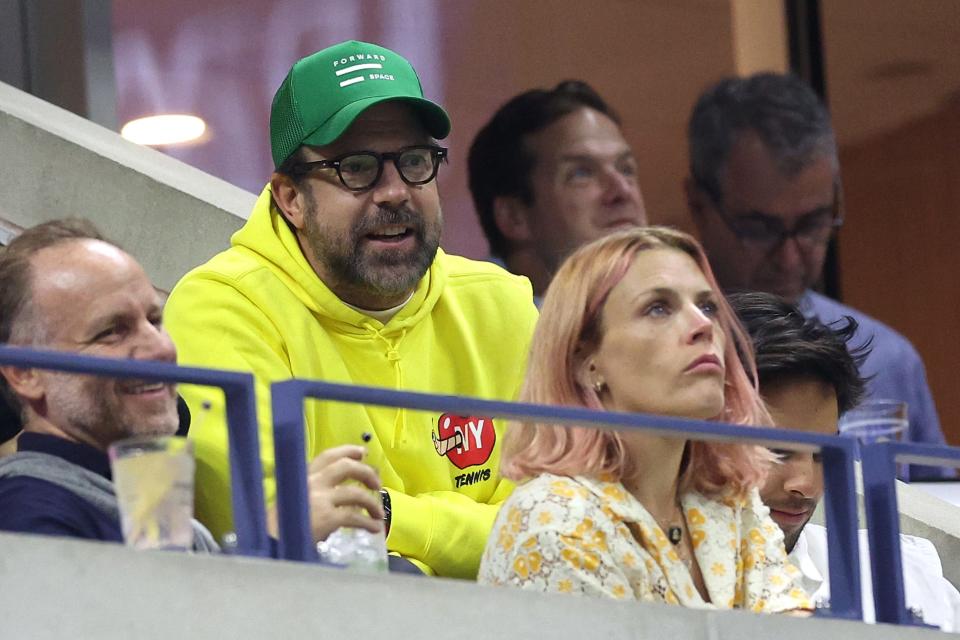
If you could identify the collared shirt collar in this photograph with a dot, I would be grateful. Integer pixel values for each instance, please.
(800, 557)
(74, 452)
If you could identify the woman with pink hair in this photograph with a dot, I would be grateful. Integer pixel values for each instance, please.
(635, 322)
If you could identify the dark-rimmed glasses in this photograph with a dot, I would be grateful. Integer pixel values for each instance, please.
(766, 232)
(360, 170)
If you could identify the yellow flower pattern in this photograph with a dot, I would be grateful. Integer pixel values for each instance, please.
(505, 539)
(562, 489)
(697, 536)
(590, 536)
(695, 517)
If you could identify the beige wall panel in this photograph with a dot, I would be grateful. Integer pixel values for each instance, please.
(759, 36)
(898, 248)
(894, 89)
(649, 59)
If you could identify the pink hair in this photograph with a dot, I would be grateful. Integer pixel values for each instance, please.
(570, 318)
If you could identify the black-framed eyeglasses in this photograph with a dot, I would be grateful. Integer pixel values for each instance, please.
(360, 170)
(766, 232)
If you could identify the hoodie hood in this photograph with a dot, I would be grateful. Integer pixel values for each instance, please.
(269, 237)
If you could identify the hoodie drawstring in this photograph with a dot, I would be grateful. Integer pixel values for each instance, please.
(393, 356)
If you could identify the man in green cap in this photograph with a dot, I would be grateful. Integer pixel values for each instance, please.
(337, 276)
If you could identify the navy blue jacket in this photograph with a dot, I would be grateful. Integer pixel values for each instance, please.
(30, 505)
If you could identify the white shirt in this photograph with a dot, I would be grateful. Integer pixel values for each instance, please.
(926, 590)
(385, 315)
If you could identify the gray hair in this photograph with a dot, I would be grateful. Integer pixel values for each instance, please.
(782, 110)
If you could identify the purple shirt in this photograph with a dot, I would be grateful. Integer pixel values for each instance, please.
(897, 373)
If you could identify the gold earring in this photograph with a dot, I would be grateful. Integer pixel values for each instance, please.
(598, 386)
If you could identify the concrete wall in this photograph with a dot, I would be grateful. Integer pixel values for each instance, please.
(55, 164)
(927, 516)
(56, 588)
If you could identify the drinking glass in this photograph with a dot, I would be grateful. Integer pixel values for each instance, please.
(153, 479)
(877, 420)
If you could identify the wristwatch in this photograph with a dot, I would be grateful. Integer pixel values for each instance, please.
(385, 498)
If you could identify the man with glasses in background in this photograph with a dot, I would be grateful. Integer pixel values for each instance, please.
(764, 193)
(338, 276)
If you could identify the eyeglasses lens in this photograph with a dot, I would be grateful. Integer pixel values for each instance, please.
(361, 170)
(416, 165)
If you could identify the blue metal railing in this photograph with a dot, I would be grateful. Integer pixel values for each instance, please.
(838, 454)
(879, 462)
(295, 543)
(249, 517)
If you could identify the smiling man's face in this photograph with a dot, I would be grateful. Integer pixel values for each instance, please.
(795, 484)
(93, 299)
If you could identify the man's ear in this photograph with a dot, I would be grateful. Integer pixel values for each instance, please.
(288, 198)
(510, 216)
(26, 383)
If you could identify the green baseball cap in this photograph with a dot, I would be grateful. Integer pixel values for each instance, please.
(325, 92)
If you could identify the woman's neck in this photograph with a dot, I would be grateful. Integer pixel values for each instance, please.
(656, 480)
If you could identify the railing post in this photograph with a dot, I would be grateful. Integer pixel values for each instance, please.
(883, 531)
(840, 509)
(246, 470)
(290, 468)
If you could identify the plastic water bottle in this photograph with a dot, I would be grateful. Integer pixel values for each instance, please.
(355, 549)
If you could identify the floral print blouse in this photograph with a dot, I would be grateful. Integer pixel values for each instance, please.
(588, 536)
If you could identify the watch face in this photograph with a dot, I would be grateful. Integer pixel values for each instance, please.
(385, 498)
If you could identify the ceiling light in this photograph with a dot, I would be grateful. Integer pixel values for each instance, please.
(164, 130)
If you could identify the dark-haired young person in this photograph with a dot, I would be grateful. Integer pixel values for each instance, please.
(551, 171)
(809, 377)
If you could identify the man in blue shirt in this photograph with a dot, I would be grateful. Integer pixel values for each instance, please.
(764, 193)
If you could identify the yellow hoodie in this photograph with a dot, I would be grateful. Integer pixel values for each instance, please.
(260, 307)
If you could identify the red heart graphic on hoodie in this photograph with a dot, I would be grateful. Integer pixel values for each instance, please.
(466, 440)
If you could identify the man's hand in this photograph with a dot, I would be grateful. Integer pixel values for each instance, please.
(337, 502)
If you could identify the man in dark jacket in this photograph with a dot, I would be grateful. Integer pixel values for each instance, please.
(63, 287)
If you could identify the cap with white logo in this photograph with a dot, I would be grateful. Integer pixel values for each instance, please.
(325, 92)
